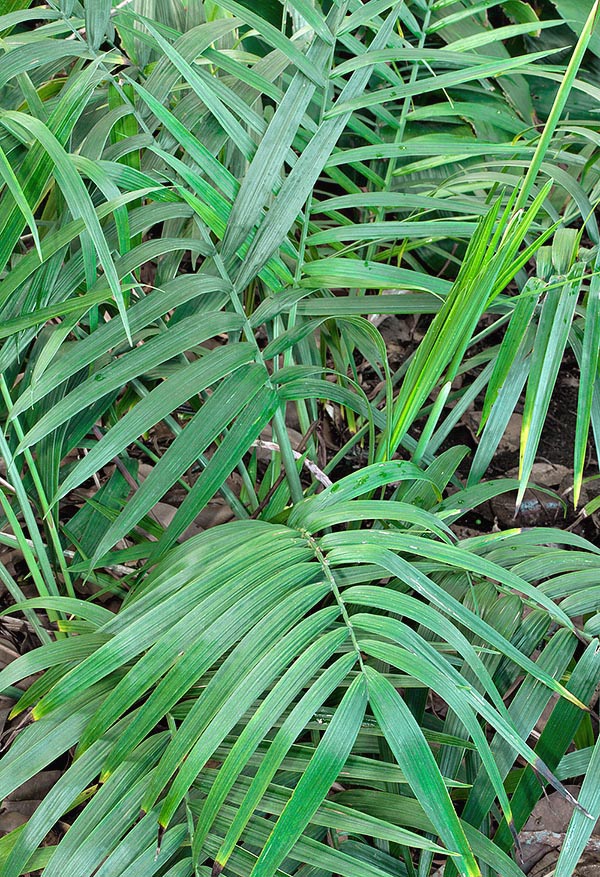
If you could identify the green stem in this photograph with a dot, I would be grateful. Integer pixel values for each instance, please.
(39, 487)
(324, 562)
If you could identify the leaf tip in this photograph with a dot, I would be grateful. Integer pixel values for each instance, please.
(161, 831)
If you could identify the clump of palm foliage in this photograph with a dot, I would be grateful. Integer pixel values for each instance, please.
(204, 205)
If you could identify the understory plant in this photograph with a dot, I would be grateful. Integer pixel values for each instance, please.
(206, 211)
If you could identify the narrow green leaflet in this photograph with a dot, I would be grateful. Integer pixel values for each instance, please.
(14, 187)
(438, 676)
(75, 308)
(548, 349)
(337, 271)
(321, 773)
(509, 348)
(359, 483)
(499, 415)
(343, 547)
(554, 740)
(416, 760)
(435, 83)
(581, 825)
(384, 510)
(588, 379)
(405, 605)
(28, 57)
(38, 165)
(97, 18)
(236, 132)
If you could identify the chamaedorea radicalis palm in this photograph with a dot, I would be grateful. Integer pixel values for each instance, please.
(164, 158)
(263, 695)
(247, 698)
